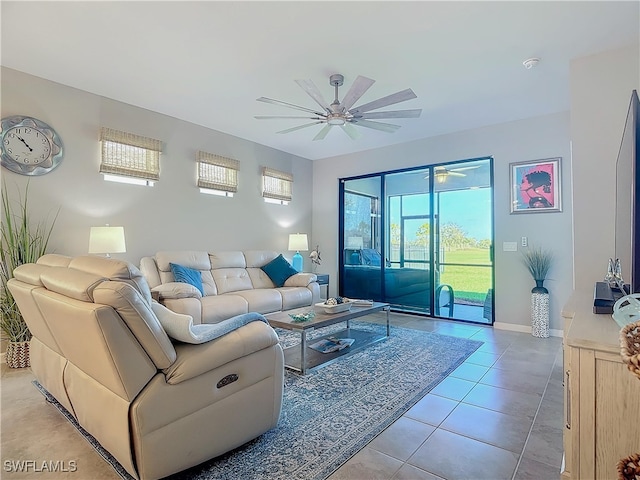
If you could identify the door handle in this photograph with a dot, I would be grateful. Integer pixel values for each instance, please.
(567, 423)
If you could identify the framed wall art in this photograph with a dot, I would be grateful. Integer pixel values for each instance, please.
(536, 186)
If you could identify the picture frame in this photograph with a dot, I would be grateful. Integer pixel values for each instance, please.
(536, 186)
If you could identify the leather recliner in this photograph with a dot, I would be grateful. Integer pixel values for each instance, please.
(156, 405)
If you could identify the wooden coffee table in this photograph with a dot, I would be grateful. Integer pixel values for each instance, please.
(301, 358)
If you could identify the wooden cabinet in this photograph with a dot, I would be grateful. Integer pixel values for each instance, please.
(602, 397)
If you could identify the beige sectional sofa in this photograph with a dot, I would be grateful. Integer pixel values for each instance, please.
(157, 405)
(233, 283)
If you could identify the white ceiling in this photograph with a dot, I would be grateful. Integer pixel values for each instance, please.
(207, 62)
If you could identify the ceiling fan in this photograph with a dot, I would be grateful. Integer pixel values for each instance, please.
(442, 173)
(342, 113)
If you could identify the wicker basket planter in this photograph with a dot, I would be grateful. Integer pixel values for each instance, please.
(630, 347)
(18, 355)
(629, 468)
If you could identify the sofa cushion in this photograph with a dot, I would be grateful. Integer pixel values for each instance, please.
(279, 270)
(176, 290)
(187, 275)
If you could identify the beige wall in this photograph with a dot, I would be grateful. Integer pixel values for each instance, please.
(601, 88)
(172, 214)
(530, 139)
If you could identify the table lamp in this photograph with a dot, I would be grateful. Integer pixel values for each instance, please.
(107, 240)
(298, 242)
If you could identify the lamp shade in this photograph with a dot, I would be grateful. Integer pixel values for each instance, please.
(298, 242)
(107, 240)
(355, 243)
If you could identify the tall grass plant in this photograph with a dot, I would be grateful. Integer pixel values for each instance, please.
(20, 242)
(538, 261)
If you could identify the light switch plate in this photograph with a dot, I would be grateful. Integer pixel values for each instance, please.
(509, 246)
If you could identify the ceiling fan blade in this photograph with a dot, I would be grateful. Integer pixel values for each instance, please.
(323, 133)
(290, 105)
(359, 87)
(269, 117)
(350, 130)
(384, 101)
(311, 89)
(455, 174)
(293, 129)
(385, 127)
(464, 168)
(393, 114)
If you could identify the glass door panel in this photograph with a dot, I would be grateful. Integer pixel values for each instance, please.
(464, 206)
(408, 233)
(361, 262)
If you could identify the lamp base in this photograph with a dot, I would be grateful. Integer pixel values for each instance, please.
(297, 262)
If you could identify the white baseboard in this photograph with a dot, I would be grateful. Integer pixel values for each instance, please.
(523, 328)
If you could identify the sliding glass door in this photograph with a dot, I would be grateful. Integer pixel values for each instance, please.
(421, 239)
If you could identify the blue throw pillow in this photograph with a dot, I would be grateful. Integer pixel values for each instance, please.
(187, 275)
(278, 270)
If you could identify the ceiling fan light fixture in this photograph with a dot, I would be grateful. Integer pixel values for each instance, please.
(334, 119)
(441, 176)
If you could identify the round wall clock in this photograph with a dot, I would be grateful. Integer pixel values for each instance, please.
(29, 146)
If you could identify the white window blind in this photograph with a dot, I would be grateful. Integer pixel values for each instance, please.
(276, 185)
(130, 155)
(217, 173)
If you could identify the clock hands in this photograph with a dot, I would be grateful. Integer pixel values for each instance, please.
(25, 143)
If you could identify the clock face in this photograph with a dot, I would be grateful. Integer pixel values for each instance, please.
(29, 146)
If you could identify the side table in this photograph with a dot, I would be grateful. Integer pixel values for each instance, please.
(323, 280)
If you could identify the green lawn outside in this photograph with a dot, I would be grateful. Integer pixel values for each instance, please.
(469, 283)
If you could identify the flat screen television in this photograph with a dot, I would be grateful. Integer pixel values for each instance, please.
(627, 240)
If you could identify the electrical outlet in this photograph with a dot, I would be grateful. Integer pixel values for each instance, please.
(524, 241)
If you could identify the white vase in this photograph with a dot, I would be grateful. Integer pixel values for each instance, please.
(540, 311)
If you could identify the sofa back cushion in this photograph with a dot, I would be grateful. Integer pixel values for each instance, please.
(232, 259)
(195, 260)
(259, 258)
(95, 339)
(139, 317)
(232, 279)
(113, 270)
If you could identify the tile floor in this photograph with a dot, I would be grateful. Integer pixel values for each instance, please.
(497, 416)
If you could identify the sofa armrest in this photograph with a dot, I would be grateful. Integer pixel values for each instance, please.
(193, 360)
(177, 290)
(300, 280)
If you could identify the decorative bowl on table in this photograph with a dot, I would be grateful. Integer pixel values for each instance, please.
(335, 305)
(302, 317)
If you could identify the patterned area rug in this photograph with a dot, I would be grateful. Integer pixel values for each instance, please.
(332, 413)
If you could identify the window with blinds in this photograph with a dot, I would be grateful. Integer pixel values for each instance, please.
(276, 186)
(128, 155)
(217, 173)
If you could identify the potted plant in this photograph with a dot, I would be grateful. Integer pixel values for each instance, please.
(538, 261)
(20, 242)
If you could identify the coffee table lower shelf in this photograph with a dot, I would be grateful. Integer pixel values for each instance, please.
(315, 359)
(301, 358)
